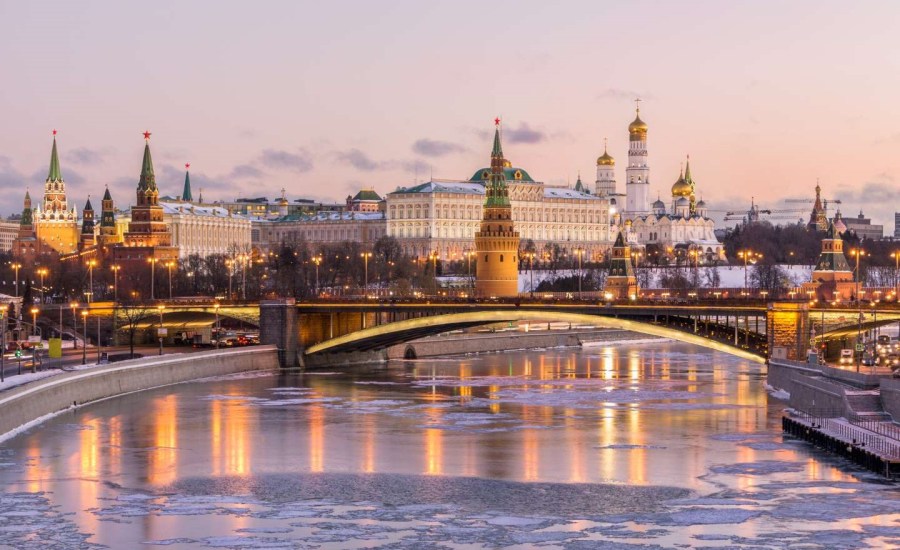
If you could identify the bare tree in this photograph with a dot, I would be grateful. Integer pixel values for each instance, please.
(132, 313)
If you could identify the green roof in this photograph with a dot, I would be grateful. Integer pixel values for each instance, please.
(106, 195)
(484, 174)
(148, 178)
(54, 174)
(186, 194)
(87, 205)
(497, 151)
(26, 211)
(620, 266)
(367, 195)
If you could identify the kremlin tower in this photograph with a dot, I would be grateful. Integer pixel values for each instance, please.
(637, 174)
(147, 227)
(108, 235)
(496, 241)
(55, 224)
(621, 282)
(832, 277)
(87, 227)
(26, 246)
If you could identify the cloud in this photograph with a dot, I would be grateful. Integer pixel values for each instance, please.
(246, 171)
(436, 148)
(84, 156)
(284, 160)
(621, 93)
(523, 134)
(416, 166)
(358, 160)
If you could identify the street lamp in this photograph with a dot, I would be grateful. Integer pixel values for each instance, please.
(579, 252)
(896, 256)
(365, 257)
(115, 269)
(90, 292)
(74, 306)
(530, 256)
(84, 316)
(434, 259)
(169, 266)
(161, 307)
(229, 263)
(17, 266)
(152, 262)
(857, 253)
(34, 312)
(42, 271)
(317, 260)
(747, 255)
(2, 345)
(218, 330)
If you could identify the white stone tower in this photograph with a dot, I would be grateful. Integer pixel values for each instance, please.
(606, 174)
(637, 175)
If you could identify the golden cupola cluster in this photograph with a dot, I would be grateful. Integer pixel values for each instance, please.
(605, 159)
(681, 188)
(638, 128)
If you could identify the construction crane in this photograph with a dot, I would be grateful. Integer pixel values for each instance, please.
(754, 213)
(825, 203)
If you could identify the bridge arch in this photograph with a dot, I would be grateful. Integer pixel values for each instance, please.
(398, 332)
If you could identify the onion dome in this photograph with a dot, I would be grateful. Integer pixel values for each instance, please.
(682, 202)
(701, 204)
(605, 159)
(638, 128)
(659, 205)
(681, 188)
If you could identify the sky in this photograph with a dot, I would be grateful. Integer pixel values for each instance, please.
(325, 98)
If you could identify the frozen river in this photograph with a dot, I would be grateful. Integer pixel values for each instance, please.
(642, 446)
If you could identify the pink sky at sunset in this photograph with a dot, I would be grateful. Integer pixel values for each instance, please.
(323, 98)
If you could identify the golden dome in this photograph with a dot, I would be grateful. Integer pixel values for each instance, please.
(638, 126)
(606, 160)
(681, 188)
(507, 164)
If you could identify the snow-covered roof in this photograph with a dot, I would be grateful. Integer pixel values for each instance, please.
(327, 215)
(186, 208)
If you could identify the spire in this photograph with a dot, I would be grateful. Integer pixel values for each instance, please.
(106, 195)
(87, 206)
(148, 178)
(27, 212)
(497, 152)
(186, 194)
(54, 174)
(687, 170)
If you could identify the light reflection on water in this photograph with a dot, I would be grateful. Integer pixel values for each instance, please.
(598, 415)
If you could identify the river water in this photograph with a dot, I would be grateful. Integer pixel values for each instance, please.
(659, 445)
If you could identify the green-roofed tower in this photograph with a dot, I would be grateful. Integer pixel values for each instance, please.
(108, 234)
(147, 227)
(621, 283)
(87, 239)
(186, 195)
(55, 224)
(497, 241)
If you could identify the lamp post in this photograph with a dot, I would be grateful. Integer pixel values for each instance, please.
(531, 271)
(161, 307)
(42, 271)
(748, 256)
(365, 257)
(229, 263)
(857, 252)
(115, 269)
(17, 266)
(434, 258)
(218, 331)
(152, 262)
(3, 345)
(74, 306)
(579, 252)
(90, 292)
(896, 256)
(317, 260)
(84, 316)
(169, 266)
(34, 312)
(98, 339)
(243, 258)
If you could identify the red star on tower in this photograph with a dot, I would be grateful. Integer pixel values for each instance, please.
(497, 121)
(146, 135)
(54, 132)
(187, 165)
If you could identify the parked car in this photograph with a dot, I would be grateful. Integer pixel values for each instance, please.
(846, 357)
(890, 360)
(868, 360)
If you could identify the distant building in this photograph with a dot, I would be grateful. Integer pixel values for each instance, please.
(864, 228)
(832, 277)
(9, 230)
(318, 229)
(818, 218)
(366, 200)
(684, 225)
(897, 225)
(205, 230)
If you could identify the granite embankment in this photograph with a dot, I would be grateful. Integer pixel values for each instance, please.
(29, 404)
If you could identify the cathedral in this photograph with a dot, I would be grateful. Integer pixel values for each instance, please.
(680, 229)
